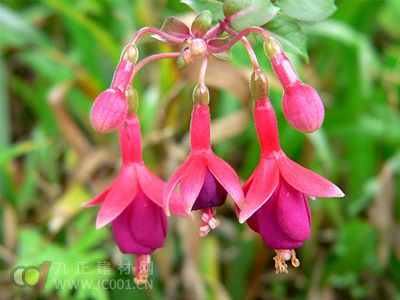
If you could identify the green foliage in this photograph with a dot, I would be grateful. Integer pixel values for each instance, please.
(257, 13)
(289, 33)
(308, 10)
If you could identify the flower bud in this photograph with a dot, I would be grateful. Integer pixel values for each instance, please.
(303, 108)
(202, 23)
(201, 95)
(108, 110)
(259, 85)
(185, 58)
(198, 47)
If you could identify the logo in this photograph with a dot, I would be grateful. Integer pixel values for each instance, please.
(31, 276)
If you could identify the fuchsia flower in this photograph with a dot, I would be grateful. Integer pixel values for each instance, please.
(132, 203)
(110, 107)
(204, 179)
(275, 195)
(302, 106)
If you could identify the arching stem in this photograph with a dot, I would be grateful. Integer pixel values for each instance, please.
(152, 58)
(247, 45)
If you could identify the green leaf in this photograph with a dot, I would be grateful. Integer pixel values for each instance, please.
(214, 6)
(257, 13)
(308, 10)
(289, 33)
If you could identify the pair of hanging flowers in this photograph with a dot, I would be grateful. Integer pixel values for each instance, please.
(273, 201)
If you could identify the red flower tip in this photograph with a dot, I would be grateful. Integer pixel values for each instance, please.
(108, 111)
(303, 108)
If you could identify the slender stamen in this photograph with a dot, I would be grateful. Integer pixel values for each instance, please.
(208, 222)
(141, 268)
(280, 260)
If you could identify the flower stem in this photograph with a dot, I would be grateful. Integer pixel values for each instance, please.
(247, 45)
(152, 58)
(238, 37)
(156, 31)
(203, 69)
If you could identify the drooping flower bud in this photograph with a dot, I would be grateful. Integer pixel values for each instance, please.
(303, 108)
(259, 85)
(198, 47)
(108, 110)
(201, 95)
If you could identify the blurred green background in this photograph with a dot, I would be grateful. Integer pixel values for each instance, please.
(57, 55)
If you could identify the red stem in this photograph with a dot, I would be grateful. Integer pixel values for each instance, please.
(152, 58)
(238, 37)
(152, 30)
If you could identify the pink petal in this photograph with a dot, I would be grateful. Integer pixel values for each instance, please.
(264, 183)
(177, 205)
(151, 185)
(192, 181)
(96, 200)
(171, 184)
(305, 180)
(121, 193)
(227, 177)
(292, 213)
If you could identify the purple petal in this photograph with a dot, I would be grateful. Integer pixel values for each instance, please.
(212, 194)
(142, 226)
(269, 228)
(292, 212)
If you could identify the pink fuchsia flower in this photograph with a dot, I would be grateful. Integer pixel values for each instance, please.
(275, 195)
(132, 203)
(302, 106)
(110, 107)
(204, 179)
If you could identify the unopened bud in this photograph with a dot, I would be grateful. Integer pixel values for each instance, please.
(198, 47)
(202, 23)
(272, 48)
(303, 108)
(185, 58)
(201, 95)
(131, 53)
(132, 99)
(259, 85)
(108, 110)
